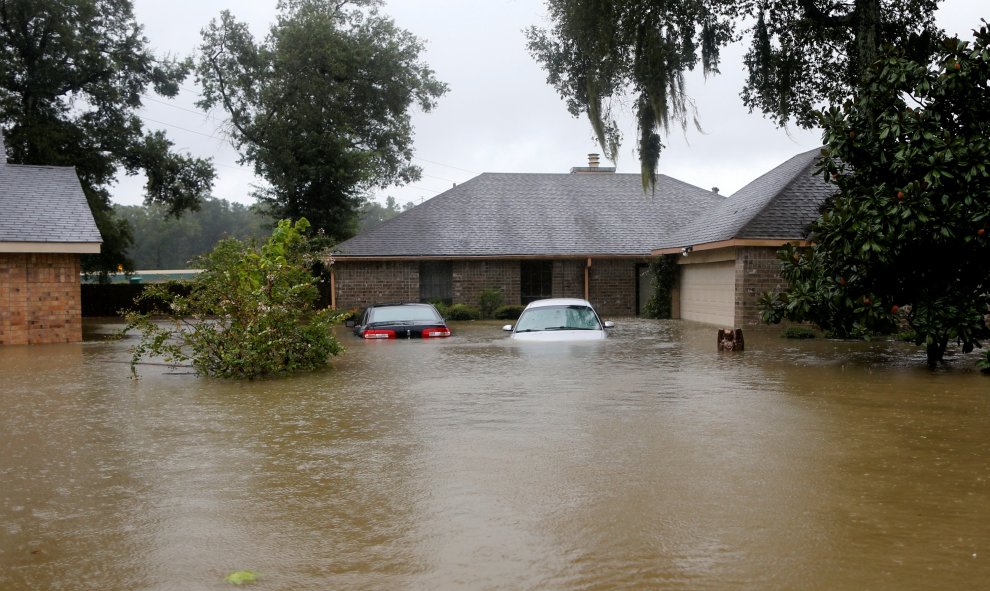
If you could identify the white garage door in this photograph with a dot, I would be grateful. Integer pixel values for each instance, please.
(708, 293)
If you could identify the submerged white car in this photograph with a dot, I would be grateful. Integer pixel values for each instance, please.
(558, 319)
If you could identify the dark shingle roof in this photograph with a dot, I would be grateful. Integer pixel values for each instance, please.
(44, 204)
(513, 214)
(779, 205)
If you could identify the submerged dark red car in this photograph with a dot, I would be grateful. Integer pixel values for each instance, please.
(401, 321)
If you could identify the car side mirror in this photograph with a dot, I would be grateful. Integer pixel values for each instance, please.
(349, 323)
(609, 324)
(507, 328)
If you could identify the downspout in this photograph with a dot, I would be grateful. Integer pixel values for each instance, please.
(333, 289)
(587, 280)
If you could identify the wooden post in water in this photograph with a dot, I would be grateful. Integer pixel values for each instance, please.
(730, 339)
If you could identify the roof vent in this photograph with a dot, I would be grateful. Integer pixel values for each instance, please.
(715, 190)
(592, 160)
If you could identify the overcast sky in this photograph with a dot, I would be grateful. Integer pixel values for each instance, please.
(499, 114)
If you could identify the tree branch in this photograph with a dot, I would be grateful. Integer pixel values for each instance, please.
(817, 15)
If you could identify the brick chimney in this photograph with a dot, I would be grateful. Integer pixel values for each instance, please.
(593, 167)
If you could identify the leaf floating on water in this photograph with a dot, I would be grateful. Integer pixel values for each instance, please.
(241, 577)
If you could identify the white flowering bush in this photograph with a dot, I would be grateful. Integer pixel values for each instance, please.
(251, 313)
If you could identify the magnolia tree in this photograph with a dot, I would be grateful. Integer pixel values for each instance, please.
(905, 238)
(251, 313)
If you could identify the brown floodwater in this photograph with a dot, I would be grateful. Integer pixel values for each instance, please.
(647, 461)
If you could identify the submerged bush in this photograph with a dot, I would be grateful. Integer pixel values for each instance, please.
(250, 313)
(510, 312)
(798, 332)
(441, 306)
(489, 301)
(463, 312)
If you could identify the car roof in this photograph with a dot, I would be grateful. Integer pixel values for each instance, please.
(387, 304)
(559, 302)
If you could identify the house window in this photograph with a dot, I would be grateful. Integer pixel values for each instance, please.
(436, 281)
(535, 280)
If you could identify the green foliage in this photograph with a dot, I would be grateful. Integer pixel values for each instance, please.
(804, 53)
(241, 577)
(510, 312)
(490, 300)
(462, 312)
(163, 242)
(798, 332)
(372, 214)
(906, 236)
(321, 106)
(663, 271)
(72, 77)
(984, 362)
(250, 313)
(442, 307)
(596, 51)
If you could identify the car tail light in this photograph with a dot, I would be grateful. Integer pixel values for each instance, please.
(439, 331)
(379, 334)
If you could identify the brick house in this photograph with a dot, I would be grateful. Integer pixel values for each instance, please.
(45, 224)
(586, 234)
(731, 251)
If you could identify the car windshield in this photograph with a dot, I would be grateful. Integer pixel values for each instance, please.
(558, 318)
(403, 314)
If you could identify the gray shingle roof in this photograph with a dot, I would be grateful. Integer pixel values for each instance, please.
(779, 206)
(44, 204)
(514, 214)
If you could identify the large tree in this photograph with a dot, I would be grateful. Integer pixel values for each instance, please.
(72, 77)
(803, 54)
(165, 242)
(905, 239)
(321, 106)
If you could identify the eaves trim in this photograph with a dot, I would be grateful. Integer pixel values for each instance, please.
(51, 247)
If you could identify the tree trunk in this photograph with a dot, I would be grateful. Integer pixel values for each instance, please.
(867, 31)
(936, 351)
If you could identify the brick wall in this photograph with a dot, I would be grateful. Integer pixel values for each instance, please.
(359, 284)
(757, 272)
(568, 279)
(613, 282)
(471, 277)
(39, 299)
(613, 287)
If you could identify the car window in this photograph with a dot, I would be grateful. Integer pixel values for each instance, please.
(403, 314)
(558, 318)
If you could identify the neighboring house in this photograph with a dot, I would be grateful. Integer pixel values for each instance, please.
(586, 234)
(45, 224)
(731, 250)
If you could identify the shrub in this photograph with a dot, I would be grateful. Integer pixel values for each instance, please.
(489, 301)
(441, 307)
(984, 362)
(663, 271)
(250, 313)
(798, 332)
(510, 312)
(463, 312)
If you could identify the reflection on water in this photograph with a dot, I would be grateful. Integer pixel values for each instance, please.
(644, 461)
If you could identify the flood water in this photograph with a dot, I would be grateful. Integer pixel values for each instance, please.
(648, 461)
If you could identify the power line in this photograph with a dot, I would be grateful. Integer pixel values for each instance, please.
(214, 137)
(446, 165)
(201, 113)
(146, 118)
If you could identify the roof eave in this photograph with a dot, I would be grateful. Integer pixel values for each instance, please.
(50, 247)
(339, 258)
(732, 243)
